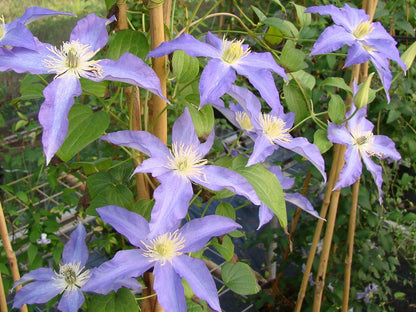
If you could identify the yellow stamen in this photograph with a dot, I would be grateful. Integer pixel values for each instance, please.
(244, 121)
(274, 128)
(164, 247)
(362, 30)
(233, 51)
(73, 58)
(186, 161)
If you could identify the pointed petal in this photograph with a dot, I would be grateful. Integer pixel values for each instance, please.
(385, 146)
(376, 172)
(265, 215)
(183, 130)
(217, 178)
(17, 35)
(263, 81)
(172, 199)
(154, 165)
(91, 30)
(246, 99)
(188, 44)
(356, 55)
(303, 203)
(198, 232)
(71, 301)
(352, 168)
(41, 275)
(23, 60)
(339, 134)
(33, 13)
(381, 63)
(53, 114)
(131, 69)
(169, 289)
(263, 148)
(141, 141)
(36, 292)
(132, 225)
(75, 249)
(214, 41)
(332, 38)
(111, 274)
(263, 60)
(216, 79)
(199, 278)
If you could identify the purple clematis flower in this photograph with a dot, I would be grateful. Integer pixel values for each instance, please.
(69, 63)
(265, 214)
(268, 130)
(227, 58)
(166, 253)
(367, 40)
(16, 34)
(368, 293)
(178, 167)
(45, 283)
(361, 143)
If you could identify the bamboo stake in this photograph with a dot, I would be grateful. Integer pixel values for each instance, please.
(350, 245)
(3, 304)
(11, 256)
(157, 106)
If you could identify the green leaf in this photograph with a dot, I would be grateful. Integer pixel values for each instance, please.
(32, 253)
(128, 40)
(320, 139)
(292, 58)
(225, 210)
(239, 278)
(296, 101)
(109, 4)
(93, 88)
(100, 303)
(336, 109)
(406, 26)
(91, 167)
(192, 306)
(337, 83)
(304, 18)
(398, 295)
(266, 185)
(393, 116)
(305, 79)
(184, 67)
(203, 120)
(2, 122)
(125, 301)
(84, 127)
(259, 13)
(225, 248)
(31, 87)
(287, 28)
(273, 35)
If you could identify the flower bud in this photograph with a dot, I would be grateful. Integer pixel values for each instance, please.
(361, 97)
(408, 56)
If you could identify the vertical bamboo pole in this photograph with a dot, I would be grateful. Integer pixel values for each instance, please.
(3, 304)
(157, 106)
(350, 245)
(11, 256)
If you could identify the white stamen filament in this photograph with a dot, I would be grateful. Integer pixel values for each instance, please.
(164, 247)
(71, 276)
(186, 161)
(233, 51)
(274, 128)
(363, 141)
(363, 29)
(73, 58)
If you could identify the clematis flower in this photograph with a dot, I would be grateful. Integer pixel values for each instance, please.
(368, 41)
(178, 167)
(70, 62)
(16, 34)
(297, 199)
(44, 283)
(227, 59)
(166, 253)
(368, 293)
(268, 130)
(361, 144)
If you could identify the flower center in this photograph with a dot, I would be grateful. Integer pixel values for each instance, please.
(274, 128)
(233, 51)
(362, 30)
(73, 58)
(71, 276)
(186, 161)
(164, 247)
(363, 141)
(244, 121)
